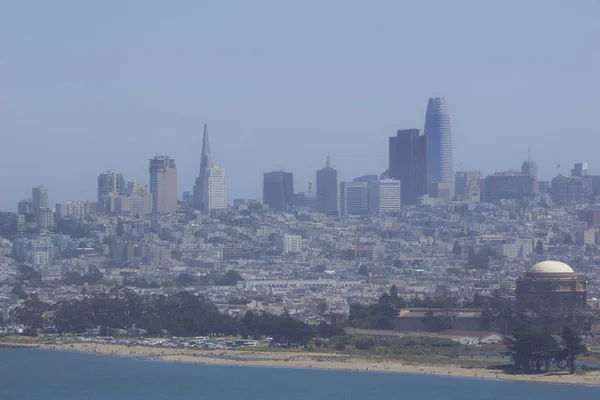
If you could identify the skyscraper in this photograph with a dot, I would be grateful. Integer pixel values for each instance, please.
(39, 196)
(529, 168)
(44, 216)
(163, 184)
(205, 165)
(439, 143)
(110, 184)
(579, 169)
(385, 196)
(278, 190)
(354, 198)
(328, 190)
(408, 164)
(214, 190)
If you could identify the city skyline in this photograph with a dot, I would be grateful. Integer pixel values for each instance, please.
(206, 160)
(130, 92)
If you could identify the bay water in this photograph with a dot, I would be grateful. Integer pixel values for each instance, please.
(32, 374)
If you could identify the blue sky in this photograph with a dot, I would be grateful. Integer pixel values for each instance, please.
(90, 86)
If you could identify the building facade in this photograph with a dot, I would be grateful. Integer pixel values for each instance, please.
(568, 189)
(215, 190)
(328, 190)
(354, 198)
(110, 184)
(530, 168)
(385, 196)
(408, 164)
(552, 284)
(507, 185)
(70, 209)
(278, 190)
(439, 143)
(205, 164)
(288, 243)
(580, 169)
(163, 184)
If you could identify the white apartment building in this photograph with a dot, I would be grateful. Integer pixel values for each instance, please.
(215, 190)
(288, 243)
(384, 196)
(69, 209)
(45, 218)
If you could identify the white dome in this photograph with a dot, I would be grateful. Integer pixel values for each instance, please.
(551, 267)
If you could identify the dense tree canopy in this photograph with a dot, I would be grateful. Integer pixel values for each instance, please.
(182, 314)
(231, 278)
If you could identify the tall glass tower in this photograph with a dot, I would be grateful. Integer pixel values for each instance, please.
(439, 143)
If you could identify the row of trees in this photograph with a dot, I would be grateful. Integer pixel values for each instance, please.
(380, 315)
(182, 314)
(533, 351)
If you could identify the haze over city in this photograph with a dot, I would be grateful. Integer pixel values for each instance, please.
(90, 87)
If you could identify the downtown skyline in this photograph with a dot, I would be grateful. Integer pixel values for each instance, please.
(437, 110)
(116, 94)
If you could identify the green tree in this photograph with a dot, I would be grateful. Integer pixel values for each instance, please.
(30, 315)
(19, 292)
(572, 346)
(231, 278)
(531, 351)
(363, 270)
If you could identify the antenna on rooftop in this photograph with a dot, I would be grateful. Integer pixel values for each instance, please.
(328, 163)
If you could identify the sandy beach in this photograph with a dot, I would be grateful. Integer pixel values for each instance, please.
(318, 361)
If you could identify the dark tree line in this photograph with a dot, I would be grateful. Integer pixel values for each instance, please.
(533, 351)
(181, 314)
(380, 315)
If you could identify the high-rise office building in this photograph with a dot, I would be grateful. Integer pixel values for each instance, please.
(205, 164)
(438, 190)
(568, 189)
(408, 164)
(39, 199)
(463, 180)
(25, 207)
(385, 196)
(354, 198)
(328, 190)
(44, 217)
(507, 185)
(214, 190)
(530, 168)
(580, 169)
(278, 190)
(163, 184)
(110, 183)
(439, 143)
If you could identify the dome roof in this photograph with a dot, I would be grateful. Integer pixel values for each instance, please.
(551, 267)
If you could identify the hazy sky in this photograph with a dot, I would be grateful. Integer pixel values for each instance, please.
(88, 86)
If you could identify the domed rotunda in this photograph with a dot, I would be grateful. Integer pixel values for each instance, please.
(552, 284)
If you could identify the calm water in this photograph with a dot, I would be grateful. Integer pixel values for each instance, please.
(49, 375)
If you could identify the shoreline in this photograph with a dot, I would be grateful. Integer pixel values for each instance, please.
(321, 361)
